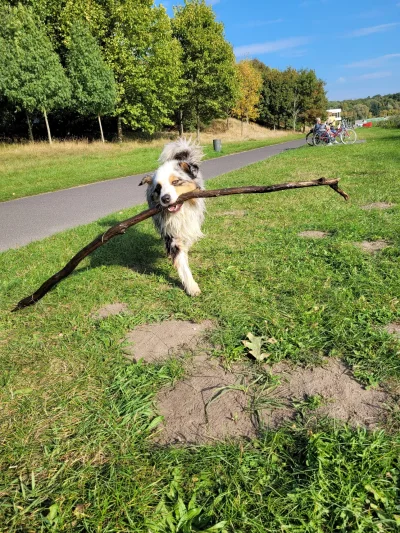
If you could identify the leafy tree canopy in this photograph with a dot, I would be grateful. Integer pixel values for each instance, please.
(208, 62)
(145, 59)
(31, 75)
(250, 84)
(92, 81)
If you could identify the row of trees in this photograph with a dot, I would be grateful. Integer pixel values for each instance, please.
(373, 106)
(124, 58)
(279, 98)
(128, 60)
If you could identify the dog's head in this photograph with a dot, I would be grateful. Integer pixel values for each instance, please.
(178, 173)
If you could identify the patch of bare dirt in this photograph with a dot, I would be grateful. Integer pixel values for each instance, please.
(372, 246)
(394, 329)
(311, 234)
(342, 397)
(212, 404)
(196, 410)
(111, 310)
(157, 342)
(377, 205)
(237, 213)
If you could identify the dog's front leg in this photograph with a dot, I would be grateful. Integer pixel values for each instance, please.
(179, 256)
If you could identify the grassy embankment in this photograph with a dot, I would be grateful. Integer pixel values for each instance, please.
(32, 169)
(76, 420)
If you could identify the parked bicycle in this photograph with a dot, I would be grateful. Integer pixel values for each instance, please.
(344, 134)
(310, 137)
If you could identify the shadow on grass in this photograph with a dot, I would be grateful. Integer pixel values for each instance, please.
(137, 250)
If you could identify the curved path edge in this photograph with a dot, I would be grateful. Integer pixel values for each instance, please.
(35, 217)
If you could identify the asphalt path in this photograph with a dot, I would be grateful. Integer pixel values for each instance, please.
(34, 217)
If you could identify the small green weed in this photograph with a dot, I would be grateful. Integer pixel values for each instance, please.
(309, 404)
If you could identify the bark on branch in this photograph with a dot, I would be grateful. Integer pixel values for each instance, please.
(121, 228)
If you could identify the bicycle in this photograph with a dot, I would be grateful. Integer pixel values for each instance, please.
(344, 134)
(310, 137)
(348, 135)
(323, 137)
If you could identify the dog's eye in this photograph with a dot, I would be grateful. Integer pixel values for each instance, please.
(176, 182)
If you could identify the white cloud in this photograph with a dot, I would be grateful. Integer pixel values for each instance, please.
(373, 76)
(375, 62)
(270, 46)
(300, 52)
(342, 79)
(372, 29)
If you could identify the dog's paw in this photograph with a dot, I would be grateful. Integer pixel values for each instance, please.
(193, 290)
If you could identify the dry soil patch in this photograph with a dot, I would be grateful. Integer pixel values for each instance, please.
(372, 246)
(342, 396)
(377, 205)
(192, 416)
(111, 310)
(394, 329)
(206, 406)
(311, 234)
(235, 213)
(157, 342)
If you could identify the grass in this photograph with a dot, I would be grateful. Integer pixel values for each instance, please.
(76, 419)
(33, 169)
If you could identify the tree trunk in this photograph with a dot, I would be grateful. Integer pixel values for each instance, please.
(181, 122)
(101, 128)
(227, 122)
(47, 126)
(31, 139)
(198, 127)
(119, 128)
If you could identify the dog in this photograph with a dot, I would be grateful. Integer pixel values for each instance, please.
(179, 225)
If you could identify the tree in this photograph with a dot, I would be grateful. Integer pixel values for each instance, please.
(92, 81)
(31, 76)
(208, 63)
(271, 105)
(145, 59)
(315, 103)
(375, 107)
(306, 94)
(250, 84)
(361, 110)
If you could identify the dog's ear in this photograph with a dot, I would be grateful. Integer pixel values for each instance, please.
(146, 180)
(189, 168)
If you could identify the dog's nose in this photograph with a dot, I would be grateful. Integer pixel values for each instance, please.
(166, 199)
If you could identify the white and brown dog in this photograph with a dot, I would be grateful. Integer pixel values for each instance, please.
(179, 225)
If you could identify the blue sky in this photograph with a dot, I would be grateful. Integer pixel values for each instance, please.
(353, 45)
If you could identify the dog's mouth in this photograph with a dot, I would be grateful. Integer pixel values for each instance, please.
(174, 208)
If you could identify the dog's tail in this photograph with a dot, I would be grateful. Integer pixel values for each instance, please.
(182, 150)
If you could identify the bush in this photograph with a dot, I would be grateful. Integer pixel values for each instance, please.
(392, 122)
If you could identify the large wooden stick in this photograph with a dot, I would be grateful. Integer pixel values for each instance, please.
(120, 228)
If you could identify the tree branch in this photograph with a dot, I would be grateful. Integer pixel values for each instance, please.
(121, 228)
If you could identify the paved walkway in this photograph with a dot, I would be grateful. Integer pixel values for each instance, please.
(35, 217)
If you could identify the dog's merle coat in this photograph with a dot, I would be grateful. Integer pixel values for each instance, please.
(180, 226)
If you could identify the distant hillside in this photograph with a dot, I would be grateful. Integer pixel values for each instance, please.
(373, 106)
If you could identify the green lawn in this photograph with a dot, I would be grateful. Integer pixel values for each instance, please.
(33, 169)
(76, 419)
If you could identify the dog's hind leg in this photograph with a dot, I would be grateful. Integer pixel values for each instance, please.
(179, 256)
